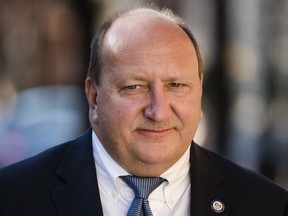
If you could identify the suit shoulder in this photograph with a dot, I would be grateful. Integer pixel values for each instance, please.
(45, 164)
(43, 161)
(243, 178)
(46, 160)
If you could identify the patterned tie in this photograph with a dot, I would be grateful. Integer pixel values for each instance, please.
(142, 188)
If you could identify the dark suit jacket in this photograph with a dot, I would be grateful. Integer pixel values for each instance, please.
(62, 181)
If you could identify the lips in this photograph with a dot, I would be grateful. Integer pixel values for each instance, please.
(155, 132)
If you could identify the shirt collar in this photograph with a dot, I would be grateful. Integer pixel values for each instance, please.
(105, 165)
(178, 179)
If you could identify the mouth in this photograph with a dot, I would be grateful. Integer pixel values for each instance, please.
(155, 132)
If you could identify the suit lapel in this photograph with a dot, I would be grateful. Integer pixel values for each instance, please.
(206, 185)
(79, 195)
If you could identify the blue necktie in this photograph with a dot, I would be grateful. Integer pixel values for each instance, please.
(142, 187)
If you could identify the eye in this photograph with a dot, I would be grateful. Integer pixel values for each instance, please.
(178, 87)
(175, 85)
(134, 89)
(131, 87)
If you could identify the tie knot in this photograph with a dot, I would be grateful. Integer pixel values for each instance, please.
(142, 186)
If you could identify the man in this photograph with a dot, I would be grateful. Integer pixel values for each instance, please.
(144, 90)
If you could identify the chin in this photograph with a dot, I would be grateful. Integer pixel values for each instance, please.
(157, 158)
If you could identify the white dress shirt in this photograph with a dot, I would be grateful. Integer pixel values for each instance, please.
(171, 198)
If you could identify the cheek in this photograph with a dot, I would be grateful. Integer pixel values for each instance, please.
(190, 113)
(107, 112)
(125, 110)
(114, 113)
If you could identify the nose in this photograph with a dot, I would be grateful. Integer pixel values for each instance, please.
(158, 108)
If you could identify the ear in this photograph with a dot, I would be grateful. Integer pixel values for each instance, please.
(201, 82)
(91, 95)
(201, 89)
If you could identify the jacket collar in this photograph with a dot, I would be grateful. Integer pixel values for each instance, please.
(206, 185)
(79, 195)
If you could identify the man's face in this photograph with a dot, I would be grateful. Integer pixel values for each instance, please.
(148, 102)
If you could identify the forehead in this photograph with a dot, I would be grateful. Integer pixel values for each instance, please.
(138, 29)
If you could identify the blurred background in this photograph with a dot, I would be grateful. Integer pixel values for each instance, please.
(44, 53)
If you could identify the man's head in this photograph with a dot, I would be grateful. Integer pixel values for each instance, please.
(144, 90)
